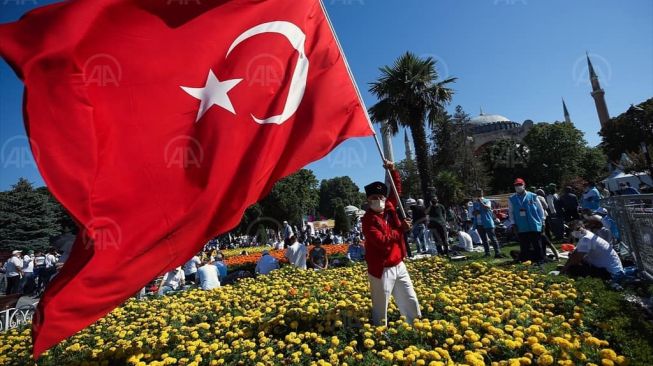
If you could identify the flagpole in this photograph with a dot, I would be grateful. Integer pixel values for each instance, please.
(360, 98)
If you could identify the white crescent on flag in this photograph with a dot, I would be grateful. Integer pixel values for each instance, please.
(215, 91)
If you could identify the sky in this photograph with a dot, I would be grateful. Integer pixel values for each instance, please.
(516, 58)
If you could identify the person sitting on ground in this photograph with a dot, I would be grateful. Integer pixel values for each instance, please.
(266, 263)
(593, 256)
(356, 252)
(190, 268)
(296, 253)
(221, 266)
(465, 243)
(207, 275)
(172, 281)
(318, 257)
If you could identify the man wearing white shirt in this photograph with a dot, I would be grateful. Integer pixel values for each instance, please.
(27, 284)
(593, 256)
(464, 242)
(207, 275)
(297, 253)
(14, 269)
(266, 264)
(172, 281)
(190, 268)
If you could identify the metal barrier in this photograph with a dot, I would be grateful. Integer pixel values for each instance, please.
(13, 318)
(634, 217)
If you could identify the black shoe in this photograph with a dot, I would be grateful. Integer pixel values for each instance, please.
(499, 255)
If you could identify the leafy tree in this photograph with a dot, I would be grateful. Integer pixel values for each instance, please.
(627, 132)
(251, 216)
(410, 185)
(338, 191)
(556, 152)
(453, 150)
(507, 159)
(292, 197)
(593, 165)
(409, 94)
(28, 218)
(342, 223)
(449, 188)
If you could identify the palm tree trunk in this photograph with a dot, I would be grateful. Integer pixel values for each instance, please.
(422, 156)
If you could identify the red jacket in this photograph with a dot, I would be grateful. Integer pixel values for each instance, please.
(384, 238)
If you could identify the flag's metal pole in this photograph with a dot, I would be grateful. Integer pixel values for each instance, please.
(367, 116)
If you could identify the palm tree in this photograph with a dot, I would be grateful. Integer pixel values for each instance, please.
(409, 94)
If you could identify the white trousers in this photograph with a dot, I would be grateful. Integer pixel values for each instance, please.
(395, 281)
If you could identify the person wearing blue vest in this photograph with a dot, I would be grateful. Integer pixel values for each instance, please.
(484, 222)
(591, 197)
(527, 216)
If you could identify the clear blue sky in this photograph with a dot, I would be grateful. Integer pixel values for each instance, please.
(516, 58)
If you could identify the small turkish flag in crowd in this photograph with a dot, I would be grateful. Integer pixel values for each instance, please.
(159, 122)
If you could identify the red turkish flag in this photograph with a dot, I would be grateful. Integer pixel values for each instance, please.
(159, 122)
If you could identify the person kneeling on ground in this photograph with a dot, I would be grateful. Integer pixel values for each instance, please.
(593, 256)
(465, 243)
(385, 250)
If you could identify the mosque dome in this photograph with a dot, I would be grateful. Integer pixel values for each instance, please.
(483, 119)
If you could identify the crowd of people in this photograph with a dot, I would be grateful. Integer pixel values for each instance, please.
(28, 273)
(534, 217)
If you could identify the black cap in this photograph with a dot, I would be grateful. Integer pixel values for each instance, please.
(376, 188)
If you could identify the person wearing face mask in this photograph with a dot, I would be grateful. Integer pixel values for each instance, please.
(527, 216)
(484, 223)
(437, 215)
(385, 250)
(591, 197)
(593, 256)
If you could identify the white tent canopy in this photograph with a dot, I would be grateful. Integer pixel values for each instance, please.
(618, 176)
(351, 209)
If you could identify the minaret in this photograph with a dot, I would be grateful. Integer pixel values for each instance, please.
(598, 94)
(409, 151)
(565, 111)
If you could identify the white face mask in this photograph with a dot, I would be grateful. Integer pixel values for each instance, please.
(520, 189)
(377, 205)
(577, 234)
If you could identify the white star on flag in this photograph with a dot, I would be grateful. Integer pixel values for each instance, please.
(214, 92)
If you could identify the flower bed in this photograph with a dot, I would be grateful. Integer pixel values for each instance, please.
(252, 258)
(472, 315)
